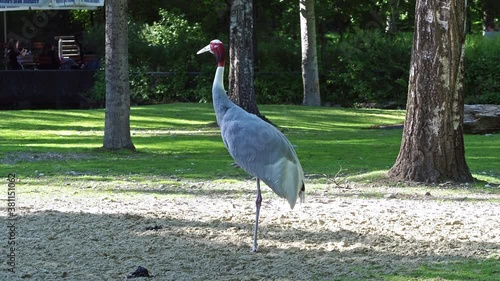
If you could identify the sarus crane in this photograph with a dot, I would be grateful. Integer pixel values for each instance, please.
(257, 146)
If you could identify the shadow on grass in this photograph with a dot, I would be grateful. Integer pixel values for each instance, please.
(326, 139)
(86, 246)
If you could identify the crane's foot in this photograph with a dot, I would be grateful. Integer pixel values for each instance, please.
(254, 249)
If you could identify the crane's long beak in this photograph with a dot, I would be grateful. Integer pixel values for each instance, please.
(206, 49)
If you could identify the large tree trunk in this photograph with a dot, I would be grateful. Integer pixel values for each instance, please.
(432, 148)
(241, 58)
(310, 78)
(117, 119)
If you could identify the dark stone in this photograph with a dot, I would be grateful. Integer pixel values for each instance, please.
(481, 118)
(139, 272)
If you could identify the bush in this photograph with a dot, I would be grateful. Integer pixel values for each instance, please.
(361, 67)
(278, 78)
(482, 70)
(93, 40)
(171, 44)
(372, 67)
(168, 45)
(367, 67)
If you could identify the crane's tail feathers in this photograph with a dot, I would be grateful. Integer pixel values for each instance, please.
(302, 193)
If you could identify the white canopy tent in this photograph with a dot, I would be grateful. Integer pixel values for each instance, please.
(20, 5)
(16, 5)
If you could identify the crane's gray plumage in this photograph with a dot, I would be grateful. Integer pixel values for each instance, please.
(257, 147)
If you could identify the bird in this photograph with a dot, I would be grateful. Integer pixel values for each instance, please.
(255, 145)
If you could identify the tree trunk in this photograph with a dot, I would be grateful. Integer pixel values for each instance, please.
(241, 53)
(393, 17)
(310, 78)
(432, 148)
(117, 119)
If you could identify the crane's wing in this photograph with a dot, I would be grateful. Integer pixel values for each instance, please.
(264, 152)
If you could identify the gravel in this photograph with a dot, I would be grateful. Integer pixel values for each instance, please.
(203, 231)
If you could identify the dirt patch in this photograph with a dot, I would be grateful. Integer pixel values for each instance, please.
(205, 232)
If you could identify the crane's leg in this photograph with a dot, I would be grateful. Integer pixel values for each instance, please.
(258, 202)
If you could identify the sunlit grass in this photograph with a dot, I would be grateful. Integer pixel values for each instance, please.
(461, 269)
(484, 270)
(181, 140)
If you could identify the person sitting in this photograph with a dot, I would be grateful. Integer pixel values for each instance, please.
(48, 58)
(12, 54)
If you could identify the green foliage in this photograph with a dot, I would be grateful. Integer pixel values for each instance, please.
(368, 67)
(170, 30)
(168, 45)
(278, 87)
(358, 67)
(142, 88)
(482, 69)
(278, 78)
(93, 40)
(83, 17)
(372, 67)
(98, 92)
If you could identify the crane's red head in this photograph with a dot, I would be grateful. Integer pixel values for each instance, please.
(216, 47)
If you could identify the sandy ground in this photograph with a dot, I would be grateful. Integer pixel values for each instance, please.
(198, 232)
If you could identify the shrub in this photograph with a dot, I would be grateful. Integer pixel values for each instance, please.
(93, 40)
(278, 78)
(482, 69)
(168, 45)
(362, 67)
(367, 67)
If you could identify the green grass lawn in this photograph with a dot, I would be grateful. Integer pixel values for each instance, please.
(181, 140)
(484, 270)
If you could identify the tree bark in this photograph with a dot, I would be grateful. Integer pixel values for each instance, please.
(432, 148)
(310, 78)
(241, 72)
(117, 117)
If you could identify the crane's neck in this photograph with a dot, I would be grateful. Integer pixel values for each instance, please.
(219, 79)
(220, 99)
